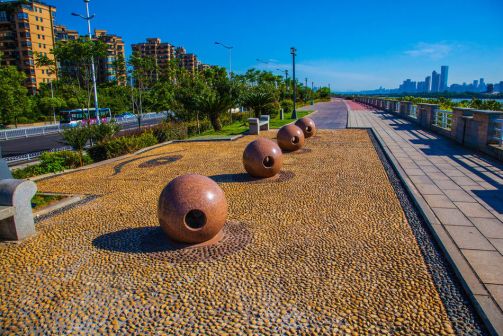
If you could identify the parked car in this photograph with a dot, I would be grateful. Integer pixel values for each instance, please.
(126, 115)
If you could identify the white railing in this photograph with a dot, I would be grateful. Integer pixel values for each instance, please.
(49, 129)
(496, 131)
(397, 107)
(442, 119)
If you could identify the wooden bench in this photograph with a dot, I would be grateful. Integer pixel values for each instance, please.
(16, 216)
(259, 124)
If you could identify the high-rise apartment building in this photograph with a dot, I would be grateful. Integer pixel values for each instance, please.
(27, 29)
(444, 76)
(61, 33)
(189, 62)
(112, 67)
(435, 81)
(163, 53)
(109, 68)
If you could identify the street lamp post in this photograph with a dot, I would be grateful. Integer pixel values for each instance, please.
(88, 18)
(229, 48)
(312, 93)
(293, 51)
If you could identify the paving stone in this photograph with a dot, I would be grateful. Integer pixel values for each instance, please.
(473, 209)
(468, 237)
(458, 195)
(451, 217)
(497, 293)
(487, 264)
(439, 201)
(447, 185)
(490, 227)
(498, 243)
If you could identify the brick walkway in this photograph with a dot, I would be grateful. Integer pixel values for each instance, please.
(459, 191)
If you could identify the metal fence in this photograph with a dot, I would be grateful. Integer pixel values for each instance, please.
(442, 119)
(32, 156)
(49, 129)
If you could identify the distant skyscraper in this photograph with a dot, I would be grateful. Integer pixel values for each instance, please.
(444, 74)
(482, 85)
(427, 84)
(435, 81)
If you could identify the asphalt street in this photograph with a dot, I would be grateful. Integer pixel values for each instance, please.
(47, 142)
(331, 115)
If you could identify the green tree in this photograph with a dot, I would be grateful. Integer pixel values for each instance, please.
(217, 95)
(14, 101)
(75, 57)
(77, 138)
(259, 99)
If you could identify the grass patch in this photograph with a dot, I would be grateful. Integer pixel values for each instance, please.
(239, 127)
(42, 200)
(276, 122)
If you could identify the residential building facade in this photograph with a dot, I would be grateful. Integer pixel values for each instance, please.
(112, 67)
(27, 29)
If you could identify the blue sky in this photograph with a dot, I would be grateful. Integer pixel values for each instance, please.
(353, 45)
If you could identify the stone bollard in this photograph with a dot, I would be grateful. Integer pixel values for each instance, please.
(17, 195)
(254, 125)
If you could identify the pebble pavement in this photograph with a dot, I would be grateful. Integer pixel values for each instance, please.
(326, 250)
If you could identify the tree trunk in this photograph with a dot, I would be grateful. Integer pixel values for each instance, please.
(215, 121)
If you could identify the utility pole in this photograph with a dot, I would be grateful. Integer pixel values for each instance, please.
(312, 93)
(88, 18)
(293, 51)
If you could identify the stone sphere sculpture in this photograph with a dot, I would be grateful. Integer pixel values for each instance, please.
(192, 209)
(307, 126)
(290, 138)
(262, 158)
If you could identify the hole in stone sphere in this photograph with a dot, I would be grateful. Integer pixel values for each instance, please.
(308, 129)
(268, 162)
(195, 219)
(295, 139)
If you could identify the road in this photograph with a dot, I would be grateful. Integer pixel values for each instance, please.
(331, 115)
(47, 142)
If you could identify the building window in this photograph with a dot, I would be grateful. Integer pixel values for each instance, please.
(22, 16)
(41, 20)
(42, 28)
(3, 16)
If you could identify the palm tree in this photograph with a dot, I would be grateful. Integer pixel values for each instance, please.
(259, 98)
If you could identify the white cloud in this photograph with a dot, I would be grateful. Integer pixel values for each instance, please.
(431, 50)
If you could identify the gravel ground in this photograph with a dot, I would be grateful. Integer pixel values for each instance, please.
(326, 249)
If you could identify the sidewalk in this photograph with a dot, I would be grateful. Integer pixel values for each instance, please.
(461, 194)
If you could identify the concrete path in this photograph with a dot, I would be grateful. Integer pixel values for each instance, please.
(332, 115)
(460, 192)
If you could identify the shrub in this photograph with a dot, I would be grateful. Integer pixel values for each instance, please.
(192, 127)
(103, 131)
(121, 146)
(287, 105)
(170, 131)
(77, 138)
(52, 162)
